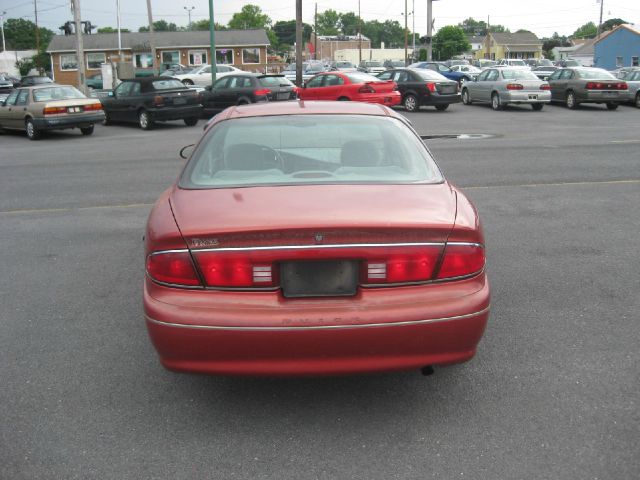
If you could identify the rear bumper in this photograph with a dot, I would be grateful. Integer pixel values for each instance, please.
(526, 96)
(176, 113)
(440, 99)
(68, 121)
(378, 330)
(603, 96)
(388, 98)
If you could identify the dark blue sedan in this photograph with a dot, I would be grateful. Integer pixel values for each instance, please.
(442, 69)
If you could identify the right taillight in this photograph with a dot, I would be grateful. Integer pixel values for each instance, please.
(173, 268)
(545, 86)
(461, 260)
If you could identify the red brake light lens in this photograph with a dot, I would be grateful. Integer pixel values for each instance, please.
(545, 86)
(414, 266)
(158, 100)
(622, 86)
(366, 88)
(175, 268)
(431, 86)
(235, 270)
(514, 86)
(54, 110)
(461, 260)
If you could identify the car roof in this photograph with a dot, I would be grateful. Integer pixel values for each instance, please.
(302, 107)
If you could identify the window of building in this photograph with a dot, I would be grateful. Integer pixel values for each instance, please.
(95, 60)
(250, 55)
(619, 62)
(143, 60)
(170, 58)
(224, 56)
(197, 57)
(69, 62)
(634, 62)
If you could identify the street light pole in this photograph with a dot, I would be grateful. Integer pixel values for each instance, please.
(79, 46)
(413, 31)
(119, 31)
(212, 42)
(299, 43)
(429, 30)
(189, 10)
(4, 48)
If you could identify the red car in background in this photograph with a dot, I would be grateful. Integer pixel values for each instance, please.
(355, 86)
(313, 238)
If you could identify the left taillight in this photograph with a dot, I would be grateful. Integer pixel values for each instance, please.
(224, 270)
(461, 260)
(514, 86)
(54, 110)
(173, 268)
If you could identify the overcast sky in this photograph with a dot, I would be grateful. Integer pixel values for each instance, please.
(543, 17)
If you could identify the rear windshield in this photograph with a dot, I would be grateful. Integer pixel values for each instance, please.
(315, 67)
(344, 65)
(430, 75)
(56, 93)
(519, 75)
(594, 74)
(309, 149)
(373, 64)
(168, 84)
(275, 82)
(361, 77)
(518, 63)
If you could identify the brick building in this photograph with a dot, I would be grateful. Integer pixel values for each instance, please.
(244, 49)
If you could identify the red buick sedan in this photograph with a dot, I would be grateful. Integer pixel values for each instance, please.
(313, 238)
(356, 86)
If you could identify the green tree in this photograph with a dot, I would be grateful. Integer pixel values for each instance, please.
(285, 30)
(250, 16)
(450, 41)
(588, 30)
(328, 23)
(20, 34)
(204, 25)
(112, 30)
(612, 23)
(161, 26)
(349, 23)
(390, 32)
(472, 26)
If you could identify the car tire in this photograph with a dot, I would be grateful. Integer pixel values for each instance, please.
(466, 99)
(191, 121)
(638, 100)
(144, 120)
(570, 100)
(410, 103)
(32, 132)
(187, 82)
(344, 99)
(87, 130)
(537, 106)
(106, 120)
(442, 108)
(496, 104)
(611, 106)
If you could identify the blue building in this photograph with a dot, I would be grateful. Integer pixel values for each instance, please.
(620, 48)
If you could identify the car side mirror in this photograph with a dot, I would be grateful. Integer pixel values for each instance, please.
(185, 152)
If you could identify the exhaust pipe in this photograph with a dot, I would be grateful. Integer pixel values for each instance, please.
(427, 370)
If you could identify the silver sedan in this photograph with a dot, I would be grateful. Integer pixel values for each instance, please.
(633, 83)
(502, 86)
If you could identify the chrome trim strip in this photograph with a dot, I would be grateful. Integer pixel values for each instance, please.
(309, 247)
(319, 327)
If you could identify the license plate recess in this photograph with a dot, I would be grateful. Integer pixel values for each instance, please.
(319, 278)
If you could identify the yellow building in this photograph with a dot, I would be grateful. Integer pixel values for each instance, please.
(510, 45)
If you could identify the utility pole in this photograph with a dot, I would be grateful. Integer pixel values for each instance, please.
(152, 39)
(406, 33)
(35, 8)
(487, 39)
(79, 46)
(119, 32)
(189, 10)
(429, 30)
(315, 34)
(4, 47)
(600, 22)
(413, 31)
(298, 42)
(212, 44)
(359, 35)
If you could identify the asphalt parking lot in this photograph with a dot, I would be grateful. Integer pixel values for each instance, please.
(552, 394)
